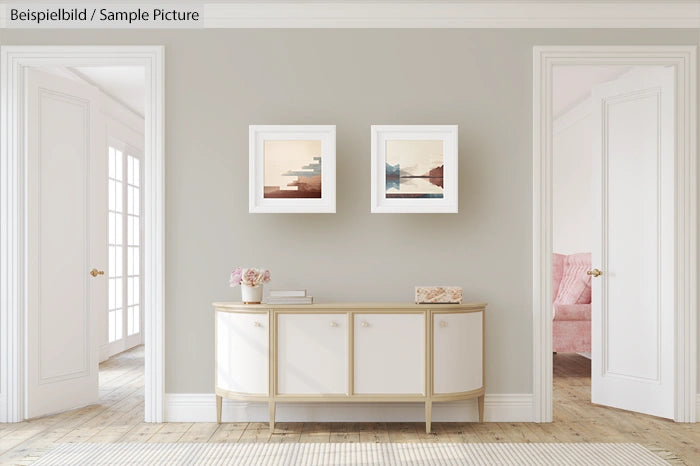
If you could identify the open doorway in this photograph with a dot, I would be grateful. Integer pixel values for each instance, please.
(85, 144)
(612, 263)
(643, 265)
(612, 242)
(572, 227)
(91, 228)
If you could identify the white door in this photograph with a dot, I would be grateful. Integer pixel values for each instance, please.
(458, 349)
(312, 354)
(66, 230)
(633, 215)
(389, 353)
(242, 352)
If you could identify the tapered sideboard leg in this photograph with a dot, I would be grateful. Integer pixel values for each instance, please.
(218, 409)
(481, 408)
(272, 416)
(428, 415)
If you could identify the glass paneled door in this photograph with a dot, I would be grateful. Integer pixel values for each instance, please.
(124, 311)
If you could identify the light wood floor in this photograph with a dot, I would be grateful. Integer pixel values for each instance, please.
(118, 418)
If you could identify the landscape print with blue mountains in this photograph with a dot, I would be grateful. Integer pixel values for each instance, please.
(414, 169)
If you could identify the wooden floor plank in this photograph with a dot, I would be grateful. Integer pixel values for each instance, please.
(229, 432)
(140, 433)
(374, 432)
(315, 432)
(403, 432)
(256, 432)
(344, 437)
(199, 432)
(286, 432)
(170, 432)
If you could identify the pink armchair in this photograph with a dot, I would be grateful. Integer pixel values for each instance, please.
(571, 288)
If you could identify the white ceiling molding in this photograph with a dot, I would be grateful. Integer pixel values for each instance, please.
(436, 14)
(571, 116)
(122, 84)
(461, 14)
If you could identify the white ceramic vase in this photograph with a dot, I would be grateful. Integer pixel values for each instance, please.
(251, 294)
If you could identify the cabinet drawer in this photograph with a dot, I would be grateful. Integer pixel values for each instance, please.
(389, 353)
(458, 352)
(312, 354)
(242, 352)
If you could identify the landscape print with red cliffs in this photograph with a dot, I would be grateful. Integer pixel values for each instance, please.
(414, 169)
(293, 169)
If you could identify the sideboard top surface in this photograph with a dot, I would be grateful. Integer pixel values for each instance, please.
(232, 306)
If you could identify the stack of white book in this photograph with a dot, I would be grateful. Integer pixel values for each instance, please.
(289, 297)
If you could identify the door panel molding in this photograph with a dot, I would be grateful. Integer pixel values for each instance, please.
(84, 106)
(14, 60)
(683, 58)
(608, 105)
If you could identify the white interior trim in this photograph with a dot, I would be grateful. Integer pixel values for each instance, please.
(684, 59)
(80, 76)
(201, 407)
(13, 253)
(75, 75)
(458, 14)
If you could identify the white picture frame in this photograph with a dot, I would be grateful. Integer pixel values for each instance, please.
(297, 141)
(422, 194)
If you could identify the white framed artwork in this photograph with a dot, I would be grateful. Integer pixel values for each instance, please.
(292, 169)
(414, 168)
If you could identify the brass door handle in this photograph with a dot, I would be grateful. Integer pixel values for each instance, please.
(595, 272)
(95, 272)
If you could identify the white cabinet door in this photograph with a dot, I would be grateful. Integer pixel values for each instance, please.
(389, 353)
(458, 352)
(242, 352)
(311, 354)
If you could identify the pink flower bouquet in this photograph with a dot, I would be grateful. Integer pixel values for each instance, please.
(249, 277)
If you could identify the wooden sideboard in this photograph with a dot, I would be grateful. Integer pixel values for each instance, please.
(349, 352)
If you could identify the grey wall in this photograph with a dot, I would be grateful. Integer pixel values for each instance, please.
(220, 81)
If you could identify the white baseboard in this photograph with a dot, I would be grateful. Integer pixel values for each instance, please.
(201, 407)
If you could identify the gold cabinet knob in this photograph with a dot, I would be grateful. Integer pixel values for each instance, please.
(365, 324)
(256, 324)
(443, 323)
(595, 272)
(333, 324)
(95, 272)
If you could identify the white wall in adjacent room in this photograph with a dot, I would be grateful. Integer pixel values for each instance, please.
(571, 188)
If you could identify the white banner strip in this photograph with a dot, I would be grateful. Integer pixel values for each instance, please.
(357, 14)
(103, 16)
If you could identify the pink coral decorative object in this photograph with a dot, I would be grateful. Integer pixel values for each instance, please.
(438, 294)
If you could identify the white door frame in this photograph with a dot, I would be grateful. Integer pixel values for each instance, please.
(13, 214)
(683, 58)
